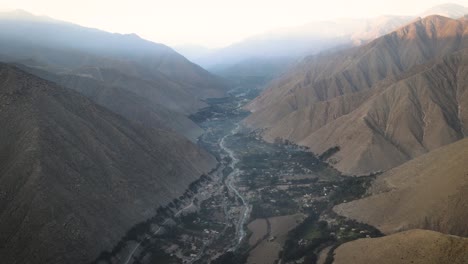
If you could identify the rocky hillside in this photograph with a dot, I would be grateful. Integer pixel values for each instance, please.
(74, 177)
(382, 104)
(415, 246)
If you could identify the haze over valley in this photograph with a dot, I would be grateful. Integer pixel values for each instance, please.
(258, 133)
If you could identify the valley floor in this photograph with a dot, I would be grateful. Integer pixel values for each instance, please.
(266, 202)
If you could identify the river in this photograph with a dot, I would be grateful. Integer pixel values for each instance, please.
(230, 179)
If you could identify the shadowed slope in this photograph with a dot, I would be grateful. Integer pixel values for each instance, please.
(143, 104)
(65, 46)
(152, 84)
(75, 177)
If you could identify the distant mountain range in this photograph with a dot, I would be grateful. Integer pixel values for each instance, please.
(304, 40)
(144, 77)
(92, 137)
(382, 103)
(310, 38)
(294, 43)
(447, 10)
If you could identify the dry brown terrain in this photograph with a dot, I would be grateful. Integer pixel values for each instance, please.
(148, 103)
(375, 102)
(267, 251)
(258, 227)
(429, 192)
(411, 117)
(323, 254)
(414, 246)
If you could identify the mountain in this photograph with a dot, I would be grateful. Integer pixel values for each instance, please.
(67, 46)
(428, 192)
(274, 51)
(448, 10)
(415, 246)
(74, 176)
(307, 39)
(146, 103)
(382, 104)
(302, 40)
(293, 43)
(148, 70)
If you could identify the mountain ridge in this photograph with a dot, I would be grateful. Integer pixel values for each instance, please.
(154, 85)
(309, 104)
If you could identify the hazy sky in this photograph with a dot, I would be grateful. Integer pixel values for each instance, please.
(211, 23)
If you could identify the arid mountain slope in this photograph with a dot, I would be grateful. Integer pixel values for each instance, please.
(74, 177)
(404, 120)
(145, 103)
(258, 59)
(429, 192)
(332, 74)
(414, 246)
(352, 98)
